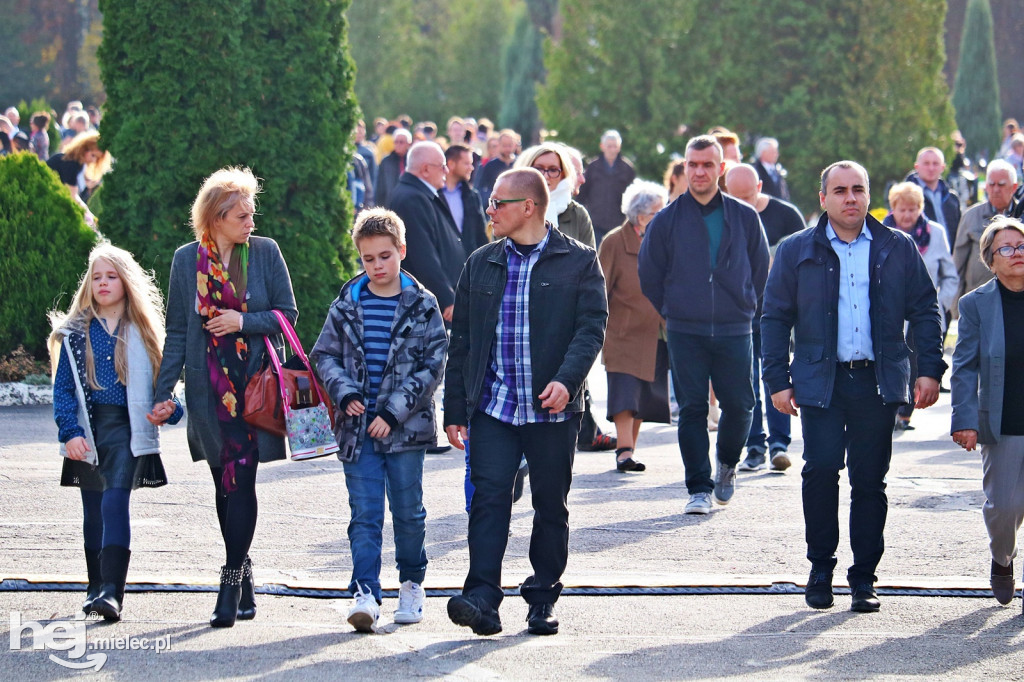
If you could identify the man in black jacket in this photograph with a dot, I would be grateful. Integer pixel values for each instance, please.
(464, 201)
(607, 177)
(703, 264)
(530, 316)
(940, 204)
(392, 167)
(434, 253)
(769, 170)
(844, 289)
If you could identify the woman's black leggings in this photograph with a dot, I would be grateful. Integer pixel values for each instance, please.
(236, 513)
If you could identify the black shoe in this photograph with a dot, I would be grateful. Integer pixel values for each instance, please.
(628, 464)
(114, 569)
(1002, 582)
(943, 389)
(226, 610)
(247, 600)
(818, 593)
(521, 474)
(541, 620)
(438, 449)
(864, 598)
(473, 613)
(92, 566)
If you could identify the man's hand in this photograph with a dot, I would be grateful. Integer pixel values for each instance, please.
(554, 397)
(76, 448)
(457, 436)
(378, 428)
(785, 403)
(926, 392)
(447, 313)
(228, 322)
(967, 439)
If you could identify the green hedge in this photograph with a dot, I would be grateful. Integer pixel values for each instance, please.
(195, 87)
(45, 245)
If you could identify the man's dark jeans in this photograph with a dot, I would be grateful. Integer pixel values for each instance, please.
(778, 436)
(495, 452)
(855, 430)
(726, 361)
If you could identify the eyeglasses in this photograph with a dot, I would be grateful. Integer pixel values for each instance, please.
(439, 165)
(550, 172)
(495, 204)
(1008, 251)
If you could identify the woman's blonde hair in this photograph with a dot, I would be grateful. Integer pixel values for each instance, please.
(906, 192)
(143, 309)
(220, 193)
(531, 154)
(83, 143)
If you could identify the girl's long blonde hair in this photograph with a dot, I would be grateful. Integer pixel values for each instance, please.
(143, 309)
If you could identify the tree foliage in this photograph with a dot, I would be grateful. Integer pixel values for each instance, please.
(196, 87)
(49, 51)
(431, 59)
(976, 89)
(46, 245)
(827, 78)
(523, 68)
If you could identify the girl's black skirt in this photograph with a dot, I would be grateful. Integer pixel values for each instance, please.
(117, 467)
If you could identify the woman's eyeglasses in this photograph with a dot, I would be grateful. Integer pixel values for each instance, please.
(550, 172)
(1008, 251)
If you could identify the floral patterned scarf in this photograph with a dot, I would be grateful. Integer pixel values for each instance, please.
(921, 232)
(227, 357)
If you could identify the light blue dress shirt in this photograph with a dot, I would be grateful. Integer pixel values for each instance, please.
(934, 197)
(854, 339)
(454, 199)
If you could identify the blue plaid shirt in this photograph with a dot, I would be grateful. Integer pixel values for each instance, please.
(508, 383)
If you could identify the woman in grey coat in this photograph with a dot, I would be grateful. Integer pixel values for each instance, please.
(988, 375)
(222, 290)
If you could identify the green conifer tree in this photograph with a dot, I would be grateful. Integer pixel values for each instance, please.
(976, 87)
(193, 87)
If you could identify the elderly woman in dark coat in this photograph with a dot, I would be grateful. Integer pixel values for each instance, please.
(635, 354)
(222, 290)
(988, 377)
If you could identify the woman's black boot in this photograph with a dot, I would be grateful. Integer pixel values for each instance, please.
(247, 602)
(92, 566)
(226, 610)
(114, 569)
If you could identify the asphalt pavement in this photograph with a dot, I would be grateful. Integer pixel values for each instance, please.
(651, 593)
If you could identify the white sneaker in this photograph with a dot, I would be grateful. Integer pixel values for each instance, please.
(364, 613)
(410, 603)
(700, 503)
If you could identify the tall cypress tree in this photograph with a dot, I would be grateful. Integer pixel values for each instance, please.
(976, 88)
(193, 87)
(523, 66)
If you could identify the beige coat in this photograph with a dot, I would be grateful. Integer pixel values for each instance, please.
(631, 340)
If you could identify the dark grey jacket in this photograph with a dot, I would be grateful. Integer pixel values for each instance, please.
(414, 369)
(269, 288)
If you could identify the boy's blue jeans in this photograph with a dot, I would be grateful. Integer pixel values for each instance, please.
(369, 479)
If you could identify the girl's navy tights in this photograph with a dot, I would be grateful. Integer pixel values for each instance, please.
(106, 518)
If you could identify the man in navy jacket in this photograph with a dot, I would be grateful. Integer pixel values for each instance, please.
(703, 264)
(844, 288)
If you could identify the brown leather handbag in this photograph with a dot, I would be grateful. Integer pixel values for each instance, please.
(276, 382)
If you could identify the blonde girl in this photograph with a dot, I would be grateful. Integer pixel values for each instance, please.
(105, 352)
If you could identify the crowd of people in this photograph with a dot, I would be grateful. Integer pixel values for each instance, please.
(502, 274)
